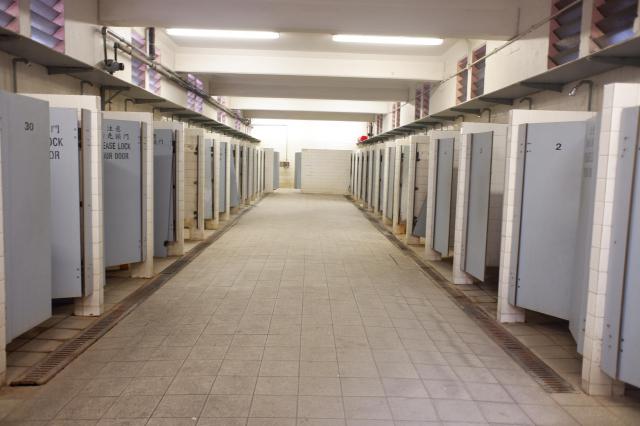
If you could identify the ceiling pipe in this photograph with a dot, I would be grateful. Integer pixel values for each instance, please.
(128, 48)
(14, 70)
(575, 88)
(84, 83)
(527, 98)
(489, 110)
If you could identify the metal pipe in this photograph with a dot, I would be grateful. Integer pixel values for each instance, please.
(128, 48)
(126, 102)
(151, 43)
(589, 83)
(14, 70)
(527, 98)
(82, 84)
(512, 40)
(486, 109)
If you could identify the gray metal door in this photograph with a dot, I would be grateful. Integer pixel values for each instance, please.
(365, 177)
(380, 178)
(234, 195)
(244, 172)
(404, 183)
(621, 341)
(372, 160)
(223, 177)
(550, 207)
(420, 191)
(390, 181)
(66, 214)
(122, 192)
(249, 152)
(276, 170)
(208, 178)
(444, 185)
(164, 190)
(24, 138)
(298, 171)
(477, 214)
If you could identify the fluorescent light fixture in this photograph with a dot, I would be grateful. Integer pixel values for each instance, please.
(397, 40)
(227, 34)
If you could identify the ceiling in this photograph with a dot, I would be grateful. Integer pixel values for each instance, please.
(311, 42)
(305, 63)
(308, 87)
(487, 19)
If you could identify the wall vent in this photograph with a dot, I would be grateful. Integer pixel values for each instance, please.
(9, 13)
(47, 23)
(138, 68)
(612, 22)
(477, 72)
(564, 33)
(462, 81)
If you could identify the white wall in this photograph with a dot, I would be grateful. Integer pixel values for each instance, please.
(290, 136)
(326, 171)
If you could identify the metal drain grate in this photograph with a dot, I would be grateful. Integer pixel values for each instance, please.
(548, 379)
(46, 369)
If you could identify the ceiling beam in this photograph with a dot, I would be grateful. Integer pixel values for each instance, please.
(486, 19)
(309, 115)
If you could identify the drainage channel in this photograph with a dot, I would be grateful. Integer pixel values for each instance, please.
(544, 375)
(57, 360)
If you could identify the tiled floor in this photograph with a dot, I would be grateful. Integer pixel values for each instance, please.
(304, 314)
(30, 348)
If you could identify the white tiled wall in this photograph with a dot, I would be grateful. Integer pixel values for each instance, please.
(325, 171)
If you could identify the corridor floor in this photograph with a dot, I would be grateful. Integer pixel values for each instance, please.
(302, 313)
